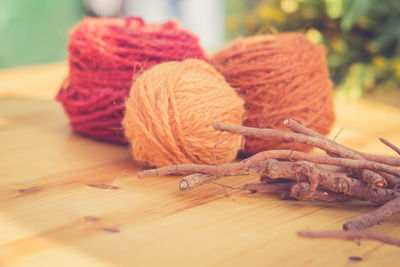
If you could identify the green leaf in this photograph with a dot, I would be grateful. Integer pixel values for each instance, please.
(334, 8)
(390, 32)
(356, 9)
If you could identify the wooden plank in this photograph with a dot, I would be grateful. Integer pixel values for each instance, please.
(66, 199)
(39, 81)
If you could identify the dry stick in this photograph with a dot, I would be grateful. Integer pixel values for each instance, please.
(301, 138)
(281, 154)
(194, 180)
(392, 181)
(231, 169)
(297, 127)
(323, 144)
(312, 180)
(334, 181)
(375, 217)
(299, 190)
(337, 134)
(352, 235)
(366, 175)
(296, 155)
(328, 177)
(227, 169)
(392, 161)
(306, 136)
(189, 168)
(343, 151)
(386, 142)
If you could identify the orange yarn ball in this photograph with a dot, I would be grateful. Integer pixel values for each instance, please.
(279, 76)
(170, 111)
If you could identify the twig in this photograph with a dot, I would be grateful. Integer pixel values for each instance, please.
(372, 218)
(227, 169)
(296, 155)
(337, 134)
(232, 169)
(301, 138)
(190, 168)
(323, 178)
(392, 146)
(313, 182)
(323, 144)
(343, 151)
(308, 137)
(392, 181)
(352, 235)
(298, 128)
(371, 177)
(392, 161)
(330, 179)
(196, 179)
(299, 190)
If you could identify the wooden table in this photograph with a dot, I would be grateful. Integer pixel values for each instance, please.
(54, 211)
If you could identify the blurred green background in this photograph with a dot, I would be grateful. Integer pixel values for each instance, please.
(362, 37)
(35, 31)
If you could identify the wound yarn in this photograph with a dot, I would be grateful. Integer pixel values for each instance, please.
(105, 56)
(170, 111)
(278, 76)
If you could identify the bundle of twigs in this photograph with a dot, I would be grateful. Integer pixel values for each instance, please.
(343, 174)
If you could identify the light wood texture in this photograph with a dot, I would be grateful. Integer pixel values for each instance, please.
(38, 81)
(67, 200)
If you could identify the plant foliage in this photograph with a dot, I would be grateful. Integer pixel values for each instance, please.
(362, 37)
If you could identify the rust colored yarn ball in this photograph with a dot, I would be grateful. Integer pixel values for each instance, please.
(170, 111)
(278, 76)
(105, 56)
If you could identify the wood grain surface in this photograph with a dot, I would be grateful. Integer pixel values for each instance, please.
(67, 200)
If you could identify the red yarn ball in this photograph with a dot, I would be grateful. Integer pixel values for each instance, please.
(105, 56)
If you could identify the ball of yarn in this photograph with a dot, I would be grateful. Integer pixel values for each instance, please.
(170, 111)
(278, 76)
(105, 56)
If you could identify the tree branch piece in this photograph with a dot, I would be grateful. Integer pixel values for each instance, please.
(333, 181)
(322, 143)
(328, 178)
(392, 181)
(313, 182)
(392, 161)
(372, 218)
(296, 155)
(191, 181)
(308, 137)
(299, 190)
(343, 151)
(194, 180)
(298, 128)
(392, 146)
(352, 235)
